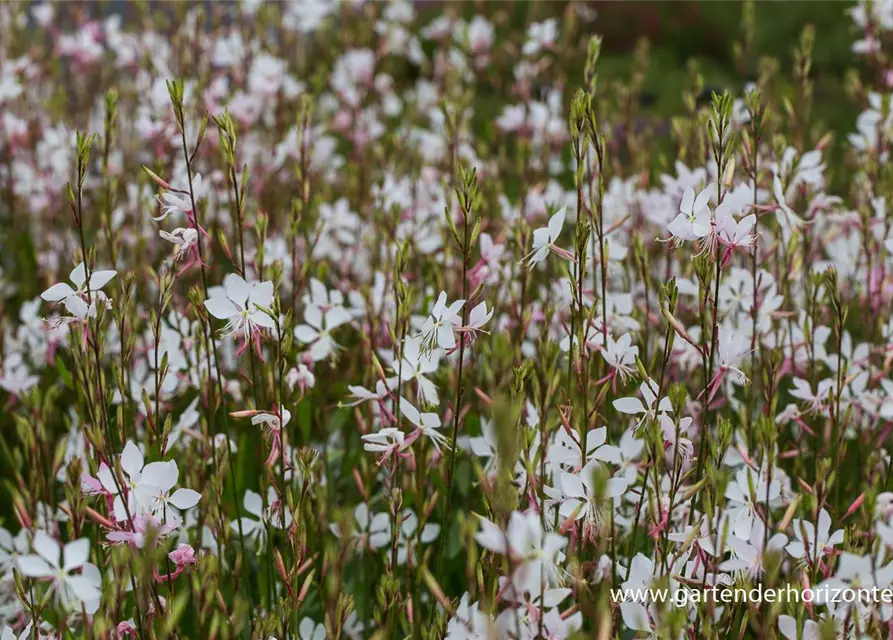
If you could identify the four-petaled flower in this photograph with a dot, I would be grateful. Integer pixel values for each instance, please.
(241, 304)
(544, 241)
(76, 300)
(693, 220)
(54, 562)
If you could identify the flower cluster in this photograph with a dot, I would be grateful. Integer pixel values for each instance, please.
(372, 320)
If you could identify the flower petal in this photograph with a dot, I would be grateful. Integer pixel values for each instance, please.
(185, 498)
(221, 307)
(57, 292)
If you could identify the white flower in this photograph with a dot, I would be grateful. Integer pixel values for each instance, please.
(427, 423)
(373, 532)
(57, 563)
(416, 365)
(621, 355)
(749, 552)
(788, 628)
(578, 492)
(237, 302)
(539, 35)
(477, 318)
(75, 300)
(437, 330)
(317, 329)
(470, 623)
(633, 406)
(409, 524)
(484, 446)
(566, 450)
(811, 543)
(743, 503)
(537, 553)
(182, 238)
(256, 527)
(306, 17)
(177, 201)
(147, 486)
(734, 233)
(693, 220)
(787, 219)
(544, 240)
(310, 630)
(733, 345)
(9, 634)
(384, 441)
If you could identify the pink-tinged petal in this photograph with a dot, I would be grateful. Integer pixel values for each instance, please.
(185, 498)
(57, 292)
(221, 307)
(119, 536)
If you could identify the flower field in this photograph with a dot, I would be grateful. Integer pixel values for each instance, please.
(389, 319)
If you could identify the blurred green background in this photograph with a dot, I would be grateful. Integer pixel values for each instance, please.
(706, 32)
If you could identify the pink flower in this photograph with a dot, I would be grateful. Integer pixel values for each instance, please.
(183, 555)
